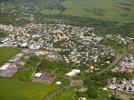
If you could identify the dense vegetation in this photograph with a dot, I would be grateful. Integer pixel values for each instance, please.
(52, 65)
(94, 82)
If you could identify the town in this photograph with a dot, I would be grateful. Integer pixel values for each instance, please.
(77, 46)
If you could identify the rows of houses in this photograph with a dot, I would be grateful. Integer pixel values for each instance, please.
(12, 66)
(124, 85)
(126, 64)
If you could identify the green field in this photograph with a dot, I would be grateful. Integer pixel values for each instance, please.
(23, 90)
(65, 95)
(70, 94)
(7, 53)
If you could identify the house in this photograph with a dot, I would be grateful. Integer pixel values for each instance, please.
(8, 70)
(53, 56)
(73, 73)
(5, 66)
(58, 83)
(40, 53)
(5, 40)
(24, 44)
(17, 57)
(112, 86)
(82, 98)
(37, 75)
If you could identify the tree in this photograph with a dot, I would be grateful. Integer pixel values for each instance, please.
(113, 97)
(91, 92)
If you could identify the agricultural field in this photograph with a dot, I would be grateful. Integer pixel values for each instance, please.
(7, 53)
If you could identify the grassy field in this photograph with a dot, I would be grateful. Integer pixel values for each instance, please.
(7, 53)
(23, 90)
(65, 95)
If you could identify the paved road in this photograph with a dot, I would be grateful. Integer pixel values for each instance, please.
(53, 93)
